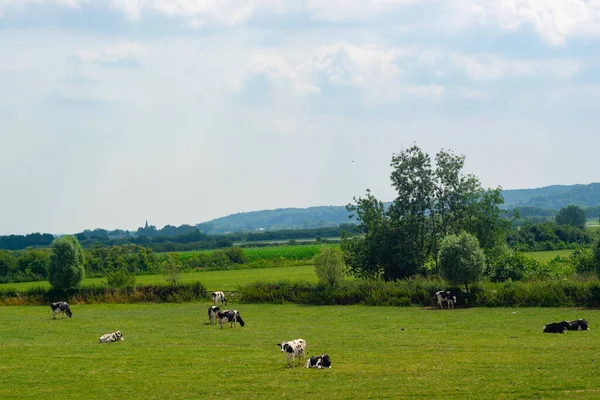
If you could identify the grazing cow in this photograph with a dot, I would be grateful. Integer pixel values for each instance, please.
(322, 361)
(219, 296)
(61, 307)
(213, 311)
(293, 349)
(111, 337)
(231, 316)
(448, 297)
(578, 325)
(556, 327)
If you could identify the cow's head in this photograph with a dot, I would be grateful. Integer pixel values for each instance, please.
(69, 313)
(325, 361)
(285, 347)
(119, 335)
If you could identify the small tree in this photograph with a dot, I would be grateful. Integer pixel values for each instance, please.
(172, 268)
(329, 266)
(461, 259)
(66, 263)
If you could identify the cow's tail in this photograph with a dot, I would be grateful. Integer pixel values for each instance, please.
(240, 320)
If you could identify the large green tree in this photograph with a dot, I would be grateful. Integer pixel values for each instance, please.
(67, 262)
(571, 215)
(434, 199)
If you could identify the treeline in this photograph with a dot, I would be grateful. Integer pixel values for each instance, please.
(546, 236)
(170, 238)
(33, 264)
(18, 242)
(528, 214)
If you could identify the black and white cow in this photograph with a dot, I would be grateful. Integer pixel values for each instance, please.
(322, 361)
(556, 327)
(578, 325)
(447, 296)
(111, 337)
(213, 311)
(292, 349)
(231, 316)
(61, 307)
(219, 296)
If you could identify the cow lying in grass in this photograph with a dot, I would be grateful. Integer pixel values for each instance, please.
(213, 312)
(231, 316)
(111, 337)
(556, 327)
(61, 307)
(293, 349)
(322, 361)
(578, 325)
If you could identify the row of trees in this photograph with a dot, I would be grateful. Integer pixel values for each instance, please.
(433, 201)
(443, 222)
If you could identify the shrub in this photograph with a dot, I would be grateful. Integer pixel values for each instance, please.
(513, 267)
(120, 278)
(582, 261)
(329, 266)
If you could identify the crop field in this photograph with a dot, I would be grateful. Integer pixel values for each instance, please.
(213, 280)
(300, 252)
(170, 351)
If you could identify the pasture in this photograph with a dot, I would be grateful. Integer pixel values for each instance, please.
(213, 280)
(545, 256)
(377, 352)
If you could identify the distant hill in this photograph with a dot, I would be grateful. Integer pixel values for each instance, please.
(554, 197)
(549, 198)
(278, 219)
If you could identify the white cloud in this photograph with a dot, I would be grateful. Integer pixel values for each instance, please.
(113, 53)
(199, 12)
(21, 5)
(361, 66)
(367, 67)
(554, 20)
(433, 91)
(489, 67)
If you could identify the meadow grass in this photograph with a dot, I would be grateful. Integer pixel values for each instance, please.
(377, 353)
(213, 280)
(545, 256)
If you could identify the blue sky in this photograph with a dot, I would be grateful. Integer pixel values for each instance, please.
(179, 111)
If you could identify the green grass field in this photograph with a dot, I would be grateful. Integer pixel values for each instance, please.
(545, 256)
(213, 280)
(377, 353)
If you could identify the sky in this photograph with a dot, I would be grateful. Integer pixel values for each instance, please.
(114, 112)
